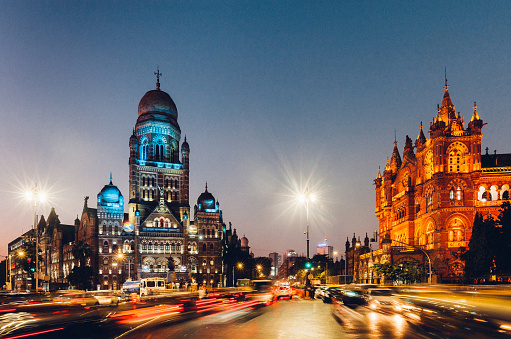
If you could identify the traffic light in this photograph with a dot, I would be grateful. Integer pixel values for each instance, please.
(308, 265)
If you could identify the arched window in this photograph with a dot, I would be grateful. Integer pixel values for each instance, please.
(150, 247)
(178, 247)
(486, 196)
(211, 247)
(173, 247)
(143, 181)
(451, 194)
(105, 260)
(162, 222)
(156, 223)
(208, 233)
(144, 246)
(114, 248)
(204, 262)
(459, 193)
(159, 150)
(143, 150)
(505, 195)
(152, 181)
(203, 247)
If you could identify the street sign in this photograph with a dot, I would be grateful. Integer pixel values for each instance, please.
(310, 276)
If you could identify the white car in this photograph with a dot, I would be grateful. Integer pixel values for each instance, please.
(106, 298)
(384, 299)
(283, 291)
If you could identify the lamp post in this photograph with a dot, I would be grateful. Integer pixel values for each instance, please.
(240, 266)
(36, 195)
(306, 197)
(121, 256)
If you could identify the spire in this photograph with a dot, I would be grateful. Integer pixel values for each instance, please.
(379, 174)
(206, 186)
(421, 139)
(395, 160)
(110, 178)
(475, 116)
(158, 75)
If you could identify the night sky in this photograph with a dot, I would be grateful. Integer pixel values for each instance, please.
(273, 97)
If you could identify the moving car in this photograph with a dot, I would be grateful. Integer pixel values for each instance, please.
(384, 299)
(318, 292)
(106, 298)
(283, 291)
(329, 293)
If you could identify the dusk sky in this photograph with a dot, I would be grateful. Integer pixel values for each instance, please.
(273, 97)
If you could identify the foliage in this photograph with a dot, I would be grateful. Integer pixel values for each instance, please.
(82, 277)
(481, 253)
(81, 251)
(265, 264)
(408, 271)
(503, 248)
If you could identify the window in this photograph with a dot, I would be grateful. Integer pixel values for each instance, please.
(144, 246)
(167, 247)
(172, 247)
(105, 261)
(459, 193)
(203, 247)
(211, 247)
(159, 150)
(178, 247)
(451, 194)
(505, 195)
(143, 150)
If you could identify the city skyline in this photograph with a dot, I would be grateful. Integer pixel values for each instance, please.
(273, 97)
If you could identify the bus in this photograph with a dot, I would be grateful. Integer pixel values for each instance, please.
(145, 286)
(152, 286)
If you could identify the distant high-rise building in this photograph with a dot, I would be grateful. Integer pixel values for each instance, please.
(325, 249)
(275, 264)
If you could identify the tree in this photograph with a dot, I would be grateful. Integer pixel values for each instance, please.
(503, 240)
(481, 248)
(408, 272)
(82, 277)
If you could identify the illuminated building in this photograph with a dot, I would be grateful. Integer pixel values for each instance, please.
(324, 249)
(429, 198)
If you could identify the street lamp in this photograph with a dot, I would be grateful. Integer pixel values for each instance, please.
(36, 195)
(306, 197)
(129, 264)
(240, 266)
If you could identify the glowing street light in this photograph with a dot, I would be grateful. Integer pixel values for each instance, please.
(240, 266)
(129, 264)
(306, 197)
(36, 195)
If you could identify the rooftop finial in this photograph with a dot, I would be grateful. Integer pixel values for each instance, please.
(110, 178)
(445, 73)
(395, 137)
(158, 75)
(206, 186)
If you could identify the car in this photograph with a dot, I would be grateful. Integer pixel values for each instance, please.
(384, 299)
(74, 298)
(329, 294)
(352, 297)
(318, 292)
(106, 298)
(283, 291)
(262, 291)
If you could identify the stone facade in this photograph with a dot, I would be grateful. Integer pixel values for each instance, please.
(429, 198)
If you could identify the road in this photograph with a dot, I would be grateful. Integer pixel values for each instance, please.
(435, 314)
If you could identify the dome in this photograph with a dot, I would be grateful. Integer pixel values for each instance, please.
(244, 241)
(110, 193)
(206, 200)
(157, 101)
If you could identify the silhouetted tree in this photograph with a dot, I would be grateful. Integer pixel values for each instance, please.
(481, 248)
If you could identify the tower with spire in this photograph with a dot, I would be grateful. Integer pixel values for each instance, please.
(428, 197)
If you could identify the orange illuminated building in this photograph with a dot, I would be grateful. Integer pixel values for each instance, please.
(429, 198)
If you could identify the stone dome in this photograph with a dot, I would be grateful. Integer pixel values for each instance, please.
(110, 194)
(157, 101)
(244, 241)
(206, 200)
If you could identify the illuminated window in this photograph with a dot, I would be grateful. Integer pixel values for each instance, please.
(143, 150)
(451, 194)
(150, 247)
(105, 261)
(459, 193)
(178, 247)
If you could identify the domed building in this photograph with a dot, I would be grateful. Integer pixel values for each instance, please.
(209, 224)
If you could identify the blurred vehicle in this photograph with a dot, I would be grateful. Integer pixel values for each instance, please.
(131, 287)
(351, 297)
(283, 291)
(72, 298)
(384, 299)
(106, 298)
(318, 292)
(329, 293)
(262, 291)
(150, 286)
